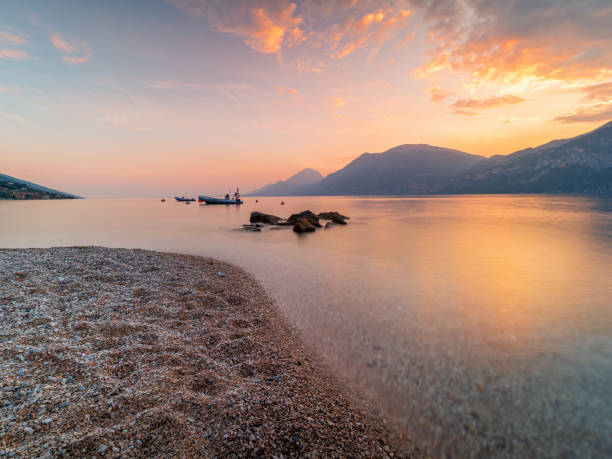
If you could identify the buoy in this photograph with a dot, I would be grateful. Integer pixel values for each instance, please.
(282, 203)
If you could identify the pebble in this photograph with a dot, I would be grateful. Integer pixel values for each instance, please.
(165, 361)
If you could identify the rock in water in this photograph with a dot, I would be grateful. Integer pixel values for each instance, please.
(335, 217)
(260, 217)
(302, 225)
(307, 215)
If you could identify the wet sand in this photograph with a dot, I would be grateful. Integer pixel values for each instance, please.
(116, 352)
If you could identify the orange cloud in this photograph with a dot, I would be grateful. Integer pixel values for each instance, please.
(470, 106)
(266, 26)
(505, 42)
(339, 102)
(12, 54)
(371, 29)
(265, 35)
(437, 93)
(292, 92)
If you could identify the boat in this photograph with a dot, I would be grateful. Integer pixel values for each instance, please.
(227, 200)
(184, 199)
(211, 200)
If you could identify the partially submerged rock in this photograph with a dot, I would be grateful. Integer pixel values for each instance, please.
(335, 217)
(303, 225)
(310, 217)
(303, 222)
(260, 217)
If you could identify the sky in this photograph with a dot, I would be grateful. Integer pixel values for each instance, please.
(160, 97)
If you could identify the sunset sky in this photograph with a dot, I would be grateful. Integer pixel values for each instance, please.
(156, 97)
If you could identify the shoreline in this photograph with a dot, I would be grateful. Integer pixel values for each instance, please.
(115, 352)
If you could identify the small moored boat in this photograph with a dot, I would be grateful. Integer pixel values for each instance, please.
(210, 200)
(184, 199)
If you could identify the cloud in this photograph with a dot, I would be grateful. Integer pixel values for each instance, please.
(79, 51)
(510, 40)
(34, 18)
(12, 54)
(61, 44)
(338, 102)
(291, 92)
(7, 34)
(266, 26)
(471, 106)
(12, 117)
(438, 94)
(602, 92)
(173, 85)
(234, 91)
(305, 66)
(597, 105)
(371, 29)
(334, 28)
(77, 60)
(600, 112)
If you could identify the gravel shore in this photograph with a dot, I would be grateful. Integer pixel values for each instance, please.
(116, 352)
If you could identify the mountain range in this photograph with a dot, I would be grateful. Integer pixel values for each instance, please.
(581, 164)
(14, 188)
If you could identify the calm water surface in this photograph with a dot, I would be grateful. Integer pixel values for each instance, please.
(483, 323)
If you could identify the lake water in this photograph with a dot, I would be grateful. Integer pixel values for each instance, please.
(482, 323)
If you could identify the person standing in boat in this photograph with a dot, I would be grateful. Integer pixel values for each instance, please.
(237, 195)
(227, 196)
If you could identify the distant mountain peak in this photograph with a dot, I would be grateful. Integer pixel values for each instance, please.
(305, 177)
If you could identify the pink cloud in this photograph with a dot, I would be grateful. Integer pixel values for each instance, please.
(13, 117)
(8, 35)
(79, 51)
(61, 44)
(12, 54)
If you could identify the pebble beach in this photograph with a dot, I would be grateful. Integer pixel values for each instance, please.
(132, 353)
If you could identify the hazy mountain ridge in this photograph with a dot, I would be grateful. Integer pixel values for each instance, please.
(283, 187)
(405, 169)
(14, 188)
(582, 164)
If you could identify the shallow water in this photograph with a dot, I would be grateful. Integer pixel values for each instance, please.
(484, 323)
